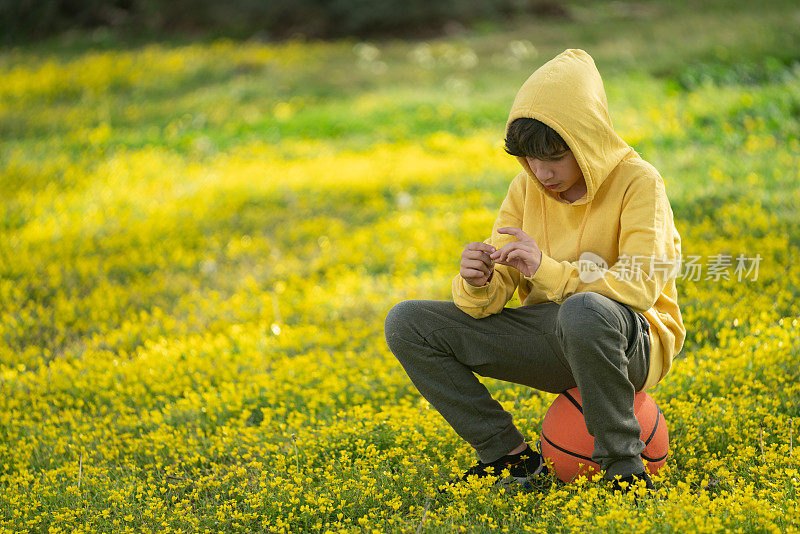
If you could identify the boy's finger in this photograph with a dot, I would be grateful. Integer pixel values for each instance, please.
(505, 249)
(474, 273)
(481, 262)
(486, 247)
(516, 232)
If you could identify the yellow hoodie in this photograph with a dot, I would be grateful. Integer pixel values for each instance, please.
(625, 216)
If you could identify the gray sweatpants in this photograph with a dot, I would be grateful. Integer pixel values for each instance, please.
(590, 340)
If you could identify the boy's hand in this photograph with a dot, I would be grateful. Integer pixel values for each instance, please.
(476, 265)
(523, 254)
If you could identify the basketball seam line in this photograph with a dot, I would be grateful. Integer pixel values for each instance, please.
(653, 459)
(565, 451)
(653, 433)
(573, 401)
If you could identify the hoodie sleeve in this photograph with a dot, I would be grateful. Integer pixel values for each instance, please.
(649, 255)
(492, 297)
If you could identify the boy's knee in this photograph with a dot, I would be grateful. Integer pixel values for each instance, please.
(573, 312)
(584, 314)
(399, 319)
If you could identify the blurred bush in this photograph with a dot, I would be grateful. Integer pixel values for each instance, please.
(765, 70)
(269, 19)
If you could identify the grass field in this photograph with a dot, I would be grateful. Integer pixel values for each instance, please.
(200, 240)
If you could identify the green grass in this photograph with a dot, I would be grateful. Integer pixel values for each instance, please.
(146, 260)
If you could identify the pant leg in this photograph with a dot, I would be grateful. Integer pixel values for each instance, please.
(440, 346)
(607, 346)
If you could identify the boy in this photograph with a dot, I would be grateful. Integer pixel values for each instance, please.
(584, 198)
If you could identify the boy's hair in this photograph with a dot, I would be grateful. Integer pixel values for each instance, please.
(534, 139)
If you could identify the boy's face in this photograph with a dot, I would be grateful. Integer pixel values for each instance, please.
(561, 175)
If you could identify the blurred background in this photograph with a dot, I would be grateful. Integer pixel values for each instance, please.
(267, 19)
(207, 210)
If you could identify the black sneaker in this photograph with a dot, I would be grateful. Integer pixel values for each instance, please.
(619, 485)
(523, 467)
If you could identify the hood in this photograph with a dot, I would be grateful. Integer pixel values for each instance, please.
(567, 94)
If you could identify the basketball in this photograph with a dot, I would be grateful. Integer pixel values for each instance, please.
(567, 443)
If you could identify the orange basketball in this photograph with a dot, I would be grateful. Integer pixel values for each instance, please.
(567, 442)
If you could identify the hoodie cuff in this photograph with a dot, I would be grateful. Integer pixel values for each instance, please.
(547, 275)
(480, 292)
